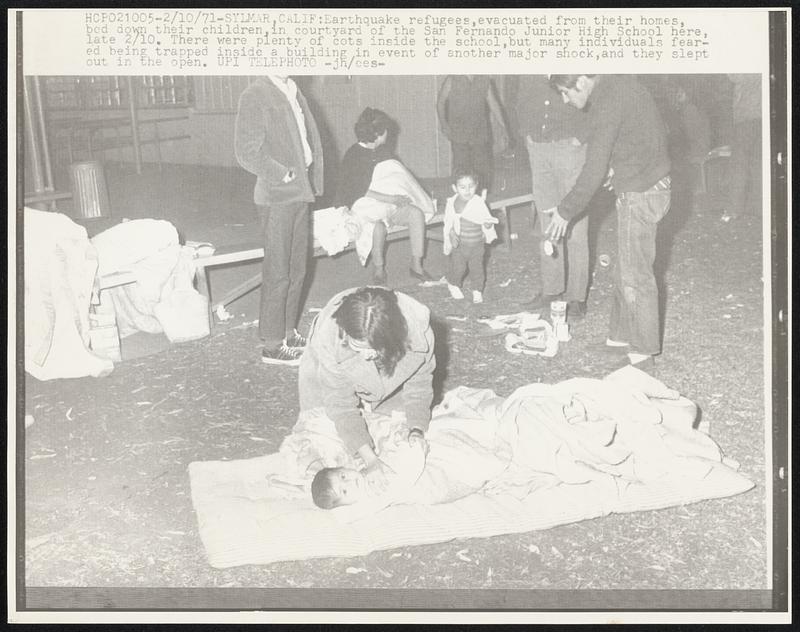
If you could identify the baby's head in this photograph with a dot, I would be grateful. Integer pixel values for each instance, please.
(465, 184)
(337, 486)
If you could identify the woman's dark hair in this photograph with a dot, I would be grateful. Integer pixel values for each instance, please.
(565, 81)
(372, 314)
(371, 124)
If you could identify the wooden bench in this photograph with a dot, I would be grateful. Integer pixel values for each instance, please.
(241, 253)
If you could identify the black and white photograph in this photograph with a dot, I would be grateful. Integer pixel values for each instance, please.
(398, 343)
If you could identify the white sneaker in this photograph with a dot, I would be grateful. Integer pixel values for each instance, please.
(477, 297)
(455, 292)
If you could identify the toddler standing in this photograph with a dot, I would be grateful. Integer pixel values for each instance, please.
(468, 227)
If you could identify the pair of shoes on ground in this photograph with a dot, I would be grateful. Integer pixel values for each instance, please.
(456, 293)
(532, 343)
(288, 352)
(576, 310)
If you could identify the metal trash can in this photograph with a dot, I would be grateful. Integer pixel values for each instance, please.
(89, 189)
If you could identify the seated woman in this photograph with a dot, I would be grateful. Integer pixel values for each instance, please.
(369, 352)
(398, 200)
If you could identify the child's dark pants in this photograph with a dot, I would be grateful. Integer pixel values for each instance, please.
(467, 257)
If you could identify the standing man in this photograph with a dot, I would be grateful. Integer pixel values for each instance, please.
(464, 105)
(554, 134)
(277, 140)
(626, 133)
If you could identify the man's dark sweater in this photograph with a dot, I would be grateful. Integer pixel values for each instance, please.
(626, 133)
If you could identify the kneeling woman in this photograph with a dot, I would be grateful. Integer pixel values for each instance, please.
(369, 350)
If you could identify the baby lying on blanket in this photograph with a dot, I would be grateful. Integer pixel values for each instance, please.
(460, 455)
(575, 432)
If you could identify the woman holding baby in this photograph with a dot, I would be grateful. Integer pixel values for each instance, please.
(370, 353)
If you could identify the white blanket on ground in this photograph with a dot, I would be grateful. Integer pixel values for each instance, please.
(545, 456)
(389, 177)
(60, 268)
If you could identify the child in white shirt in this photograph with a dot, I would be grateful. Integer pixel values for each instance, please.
(468, 227)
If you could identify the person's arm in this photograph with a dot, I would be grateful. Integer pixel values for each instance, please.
(341, 404)
(606, 124)
(250, 146)
(418, 390)
(441, 106)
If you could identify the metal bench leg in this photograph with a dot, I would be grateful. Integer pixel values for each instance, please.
(240, 290)
(204, 287)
